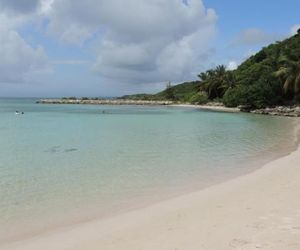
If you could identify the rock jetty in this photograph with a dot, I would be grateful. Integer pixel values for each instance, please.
(103, 102)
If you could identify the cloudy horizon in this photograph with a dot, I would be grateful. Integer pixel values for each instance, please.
(108, 48)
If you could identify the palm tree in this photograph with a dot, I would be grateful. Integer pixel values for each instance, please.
(289, 73)
(216, 81)
(203, 76)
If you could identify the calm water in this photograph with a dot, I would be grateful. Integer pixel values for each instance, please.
(61, 164)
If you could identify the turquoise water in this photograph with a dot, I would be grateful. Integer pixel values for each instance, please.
(62, 164)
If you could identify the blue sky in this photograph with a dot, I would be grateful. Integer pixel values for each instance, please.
(269, 15)
(107, 48)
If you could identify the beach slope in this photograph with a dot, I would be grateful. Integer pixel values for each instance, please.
(260, 210)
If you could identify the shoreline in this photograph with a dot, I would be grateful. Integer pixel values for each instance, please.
(208, 107)
(256, 210)
(103, 102)
(288, 111)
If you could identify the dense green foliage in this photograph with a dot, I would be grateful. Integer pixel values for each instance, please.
(216, 81)
(181, 93)
(199, 98)
(270, 77)
(69, 98)
(139, 97)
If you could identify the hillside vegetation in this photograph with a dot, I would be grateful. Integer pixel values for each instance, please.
(181, 92)
(270, 77)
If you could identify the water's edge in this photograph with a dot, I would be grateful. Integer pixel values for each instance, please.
(136, 200)
(63, 227)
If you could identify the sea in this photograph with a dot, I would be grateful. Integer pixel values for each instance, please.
(66, 164)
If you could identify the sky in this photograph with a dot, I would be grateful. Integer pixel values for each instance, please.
(54, 48)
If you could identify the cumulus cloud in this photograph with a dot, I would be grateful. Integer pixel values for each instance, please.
(19, 59)
(135, 41)
(138, 40)
(294, 29)
(254, 37)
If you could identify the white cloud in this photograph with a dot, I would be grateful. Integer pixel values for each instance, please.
(19, 60)
(135, 41)
(46, 6)
(138, 40)
(254, 37)
(232, 65)
(294, 29)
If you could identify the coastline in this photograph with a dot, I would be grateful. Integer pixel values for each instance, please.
(103, 102)
(289, 111)
(253, 211)
(208, 107)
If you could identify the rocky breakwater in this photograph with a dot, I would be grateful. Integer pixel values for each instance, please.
(103, 102)
(291, 111)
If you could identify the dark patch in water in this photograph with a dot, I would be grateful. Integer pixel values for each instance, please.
(58, 149)
(70, 150)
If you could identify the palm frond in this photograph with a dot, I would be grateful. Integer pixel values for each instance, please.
(297, 84)
(281, 72)
(287, 83)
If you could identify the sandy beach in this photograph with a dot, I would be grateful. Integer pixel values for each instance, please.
(260, 210)
(208, 107)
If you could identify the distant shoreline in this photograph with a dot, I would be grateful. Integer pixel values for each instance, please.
(209, 106)
(289, 111)
(103, 102)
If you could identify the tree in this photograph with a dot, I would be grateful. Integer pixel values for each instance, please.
(203, 76)
(168, 85)
(289, 73)
(169, 92)
(216, 81)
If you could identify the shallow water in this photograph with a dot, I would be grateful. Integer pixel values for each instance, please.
(63, 163)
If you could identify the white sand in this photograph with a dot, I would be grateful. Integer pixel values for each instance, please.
(260, 210)
(209, 107)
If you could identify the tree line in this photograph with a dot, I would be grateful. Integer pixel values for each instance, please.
(270, 77)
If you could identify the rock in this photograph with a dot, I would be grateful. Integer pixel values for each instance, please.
(297, 111)
(292, 111)
(245, 108)
(104, 102)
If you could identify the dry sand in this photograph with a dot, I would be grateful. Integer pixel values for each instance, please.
(209, 107)
(260, 210)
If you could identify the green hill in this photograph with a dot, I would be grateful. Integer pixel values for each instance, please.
(270, 77)
(181, 92)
